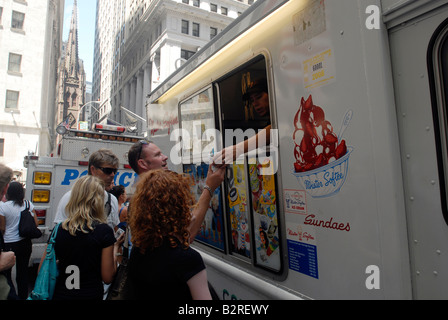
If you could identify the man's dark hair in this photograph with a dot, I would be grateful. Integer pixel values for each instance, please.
(135, 153)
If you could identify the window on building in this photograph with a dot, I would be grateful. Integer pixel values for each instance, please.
(12, 99)
(185, 54)
(159, 29)
(185, 26)
(2, 147)
(224, 11)
(17, 21)
(196, 3)
(213, 7)
(186, 1)
(1, 15)
(196, 28)
(15, 62)
(213, 32)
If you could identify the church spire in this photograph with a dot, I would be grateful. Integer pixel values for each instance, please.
(71, 57)
(72, 82)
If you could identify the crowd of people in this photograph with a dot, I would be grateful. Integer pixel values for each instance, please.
(163, 218)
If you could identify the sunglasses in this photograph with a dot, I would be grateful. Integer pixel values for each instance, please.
(141, 144)
(108, 170)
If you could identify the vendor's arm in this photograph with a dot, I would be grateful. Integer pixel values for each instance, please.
(230, 154)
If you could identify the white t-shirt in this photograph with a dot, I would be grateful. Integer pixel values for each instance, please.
(112, 219)
(11, 212)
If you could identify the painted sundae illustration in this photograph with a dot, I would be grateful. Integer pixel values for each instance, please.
(321, 156)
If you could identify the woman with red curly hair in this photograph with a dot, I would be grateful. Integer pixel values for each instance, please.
(162, 265)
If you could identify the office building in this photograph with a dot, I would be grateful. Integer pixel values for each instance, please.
(139, 43)
(30, 46)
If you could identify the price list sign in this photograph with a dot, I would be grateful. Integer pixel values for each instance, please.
(303, 258)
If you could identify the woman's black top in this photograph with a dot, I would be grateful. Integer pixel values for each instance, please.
(162, 274)
(84, 252)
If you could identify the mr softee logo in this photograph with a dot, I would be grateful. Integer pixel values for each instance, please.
(126, 179)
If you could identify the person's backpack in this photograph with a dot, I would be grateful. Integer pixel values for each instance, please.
(27, 226)
(108, 206)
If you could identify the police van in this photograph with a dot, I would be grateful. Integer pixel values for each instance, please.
(49, 178)
(356, 206)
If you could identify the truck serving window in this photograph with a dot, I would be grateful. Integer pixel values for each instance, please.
(438, 68)
(243, 219)
(251, 188)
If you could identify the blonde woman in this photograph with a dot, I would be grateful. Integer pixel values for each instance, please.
(85, 245)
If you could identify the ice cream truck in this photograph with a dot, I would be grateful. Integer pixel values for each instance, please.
(49, 178)
(348, 200)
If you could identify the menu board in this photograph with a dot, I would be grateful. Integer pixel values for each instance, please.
(238, 210)
(264, 215)
(253, 214)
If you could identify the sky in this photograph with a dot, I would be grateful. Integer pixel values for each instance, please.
(86, 31)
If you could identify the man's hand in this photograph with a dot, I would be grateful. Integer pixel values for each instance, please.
(227, 155)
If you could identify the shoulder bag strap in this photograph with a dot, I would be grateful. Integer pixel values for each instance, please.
(126, 237)
(108, 204)
(126, 245)
(27, 205)
(54, 233)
